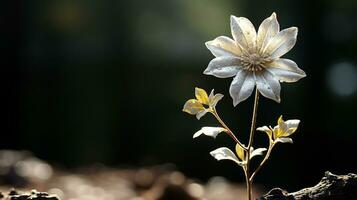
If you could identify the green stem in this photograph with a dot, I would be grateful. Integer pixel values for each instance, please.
(250, 144)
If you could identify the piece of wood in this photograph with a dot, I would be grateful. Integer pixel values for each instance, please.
(33, 195)
(331, 187)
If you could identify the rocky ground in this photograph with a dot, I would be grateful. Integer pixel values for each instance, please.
(25, 172)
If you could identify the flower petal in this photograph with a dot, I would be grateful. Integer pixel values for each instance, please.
(224, 153)
(223, 46)
(268, 85)
(284, 140)
(267, 29)
(209, 131)
(256, 152)
(285, 70)
(192, 107)
(282, 42)
(201, 95)
(241, 87)
(243, 32)
(223, 67)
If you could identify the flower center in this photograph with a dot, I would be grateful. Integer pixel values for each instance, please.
(254, 62)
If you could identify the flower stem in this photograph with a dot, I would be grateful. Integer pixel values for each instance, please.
(254, 119)
(230, 133)
(267, 155)
(249, 193)
(250, 144)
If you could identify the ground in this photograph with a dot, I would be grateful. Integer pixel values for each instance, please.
(26, 172)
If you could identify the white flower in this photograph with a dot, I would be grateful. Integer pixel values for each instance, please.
(254, 58)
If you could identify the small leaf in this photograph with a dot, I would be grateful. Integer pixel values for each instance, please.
(292, 126)
(257, 152)
(201, 113)
(282, 127)
(209, 131)
(211, 95)
(267, 130)
(214, 98)
(284, 140)
(201, 95)
(224, 153)
(192, 107)
(240, 152)
(285, 128)
(277, 132)
(280, 120)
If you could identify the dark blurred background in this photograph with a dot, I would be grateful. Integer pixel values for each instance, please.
(89, 82)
